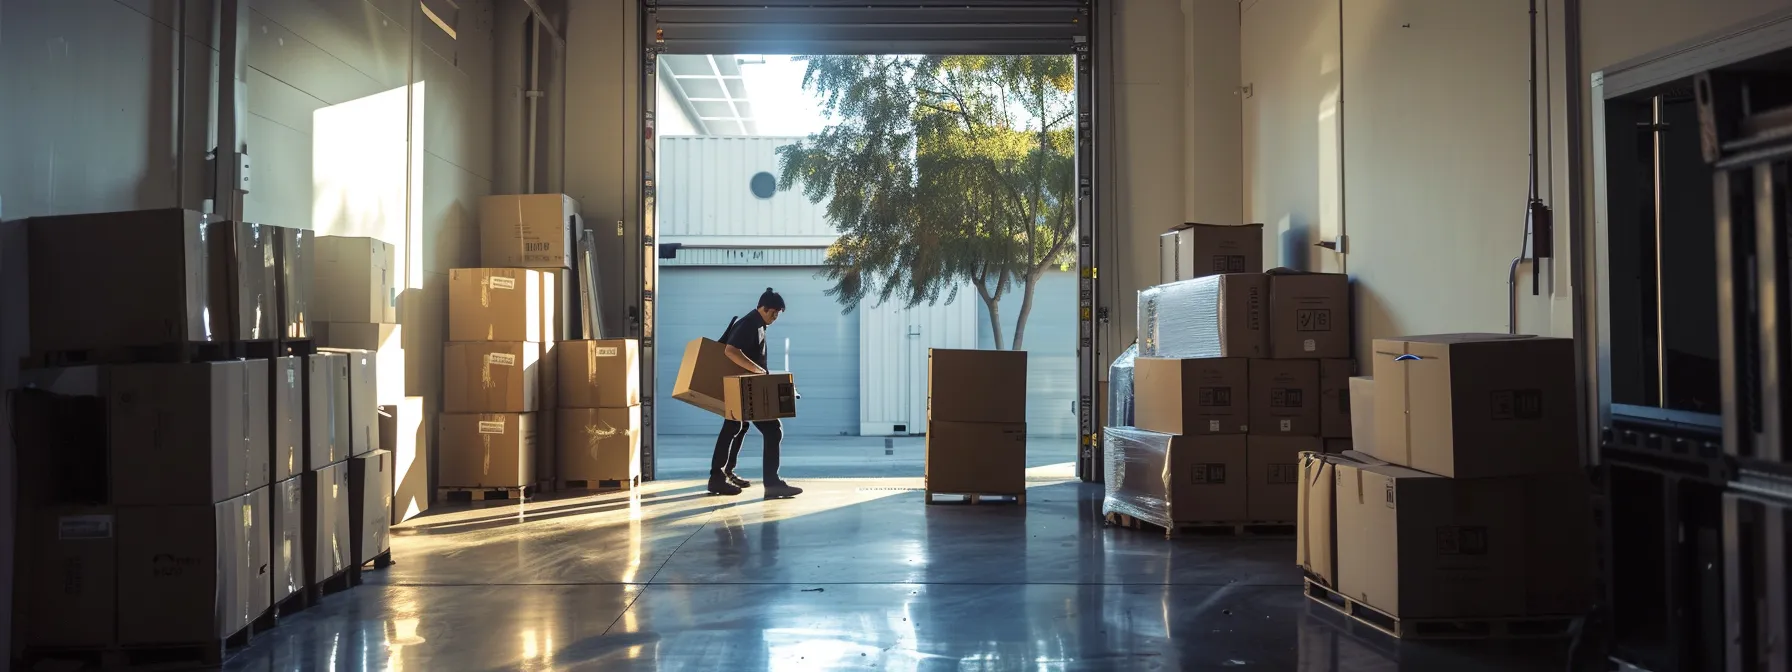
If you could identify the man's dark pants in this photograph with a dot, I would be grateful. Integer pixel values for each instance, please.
(728, 447)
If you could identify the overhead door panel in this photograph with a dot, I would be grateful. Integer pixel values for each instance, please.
(869, 26)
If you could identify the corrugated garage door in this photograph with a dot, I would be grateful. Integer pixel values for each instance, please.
(822, 344)
(868, 26)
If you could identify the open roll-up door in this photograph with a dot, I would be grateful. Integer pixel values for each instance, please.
(869, 26)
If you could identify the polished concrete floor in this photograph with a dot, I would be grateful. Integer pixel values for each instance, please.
(857, 573)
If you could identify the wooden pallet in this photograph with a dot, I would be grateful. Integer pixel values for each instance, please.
(147, 657)
(979, 497)
(1258, 528)
(601, 485)
(343, 580)
(171, 353)
(1516, 627)
(456, 494)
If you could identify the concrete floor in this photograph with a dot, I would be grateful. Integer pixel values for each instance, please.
(855, 574)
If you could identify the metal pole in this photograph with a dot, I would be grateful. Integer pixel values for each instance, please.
(534, 97)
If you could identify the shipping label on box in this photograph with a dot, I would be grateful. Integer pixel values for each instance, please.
(600, 374)
(976, 458)
(494, 304)
(527, 231)
(1192, 396)
(700, 375)
(756, 398)
(491, 450)
(1309, 316)
(490, 377)
(600, 444)
(977, 386)
(1285, 397)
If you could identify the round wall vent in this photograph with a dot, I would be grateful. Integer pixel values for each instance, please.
(764, 185)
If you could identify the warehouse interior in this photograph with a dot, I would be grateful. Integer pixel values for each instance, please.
(1470, 165)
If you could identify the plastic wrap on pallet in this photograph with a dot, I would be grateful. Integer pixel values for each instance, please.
(288, 549)
(1120, 388)
(1134, 474)
(243, 282)
(1181, 320)
(296, 269)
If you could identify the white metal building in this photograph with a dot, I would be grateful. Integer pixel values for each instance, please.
(727, 234)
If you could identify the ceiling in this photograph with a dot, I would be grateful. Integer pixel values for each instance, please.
(711, 90)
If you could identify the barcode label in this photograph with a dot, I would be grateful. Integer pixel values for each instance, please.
(498, 282)
(606, 352)
(491, 426)
(501, 359)
(1213, 426)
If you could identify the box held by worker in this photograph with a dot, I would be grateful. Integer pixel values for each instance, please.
(759, 397)
(700, 375)
(1192, 396)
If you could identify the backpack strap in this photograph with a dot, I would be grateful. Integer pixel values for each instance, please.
(730, 330)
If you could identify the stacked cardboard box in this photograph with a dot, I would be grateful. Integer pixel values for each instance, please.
(600, 414)
(1467, 501)
(976, 422)
(491, 371)
(356, 306)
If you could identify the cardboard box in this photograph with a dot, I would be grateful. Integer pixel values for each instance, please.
(385, 341)
(757, 398)
(1211, 249)
(976, 457)
(188, 433)
(329, 536)
(60, 419)
(1362, 413)
(600, 444)
(370, 505)
(1334, 397)
(1285, 397)
(118, 279)
(1309, 316)
(68, 564)
(1192, 396)
(287, 417)
(287, 517)
(402, 434)
(494, 304)
(489, 450)
(363, 400)
(486, 377)
(295, 252)
(1417, 545)
(977, 386)
(356, 280)
(602, 374)
(1214, 316)
(1316, 528)
(558, 320)
(195, 573)
(700, 375)
(1208, 479)
(1274, 463)
(527, 231)
(243, 285)
(547, 450)
(1476, 405)
(326, 409)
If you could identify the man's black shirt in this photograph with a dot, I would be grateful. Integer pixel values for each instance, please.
(748, 334)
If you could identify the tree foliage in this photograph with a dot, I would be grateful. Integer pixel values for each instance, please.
(942, 170)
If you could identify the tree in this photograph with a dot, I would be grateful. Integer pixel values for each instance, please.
(942, 170)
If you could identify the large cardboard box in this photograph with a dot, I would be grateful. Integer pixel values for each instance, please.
(244, 285)
(287, 517)
(977, 386)
(402, 433)
(1285, 397)
(1274, 463)
(494, 304)
(295, 256)
(755, 398)
(1211, 249)
(1362, 414)
(287, 416)
(1208, 481)
(1334, 397)
(527, 231)
(329, 536)
(1418, 545)
(363, 399)
(68, 564)
(601, 374)
(1476, 405)
(1192, 396)
(59, 426)
(385, 341)
(489, 450)
(700, 375)
(600, 444)
(195, 573)
(491, 377)
(1316, 525)
(976, 457)
(1214, 316)
(370, 505)
(558, 321)
(118, 279)
(188, 433)
(1309, 316)
(326, 409)
(356, 280)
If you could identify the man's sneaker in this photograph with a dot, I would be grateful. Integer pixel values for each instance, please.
(781, 491)
(736, 480)
(720, 486)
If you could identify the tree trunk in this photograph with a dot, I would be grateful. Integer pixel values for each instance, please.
(991, 304)
(1026, 307)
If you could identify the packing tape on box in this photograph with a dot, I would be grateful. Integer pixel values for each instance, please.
(485, 466)
(248, 542)
(248, 436)
(595, 435)
(1141, 456)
